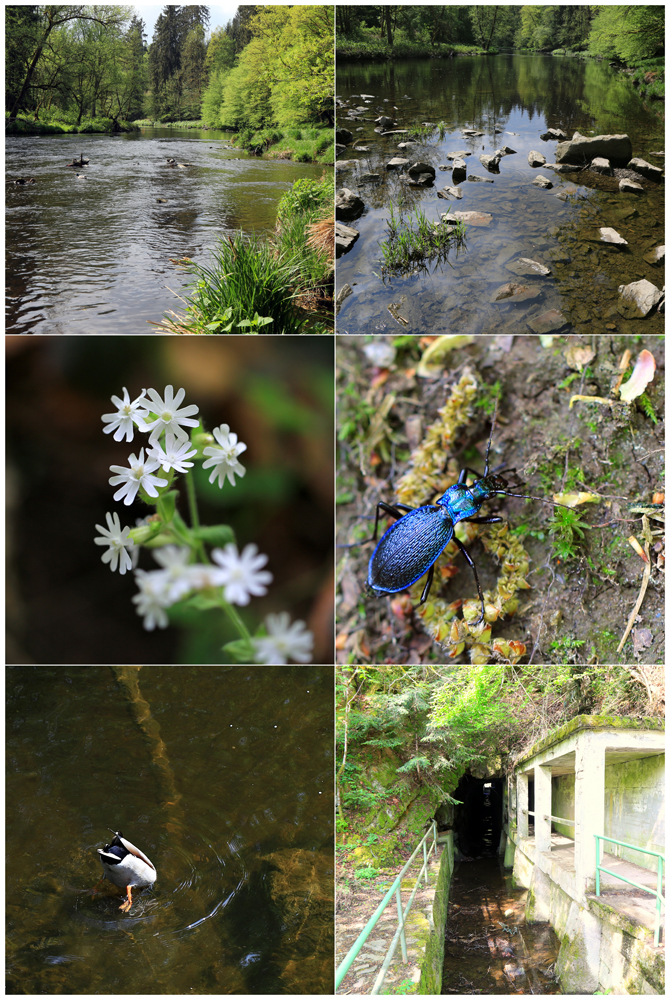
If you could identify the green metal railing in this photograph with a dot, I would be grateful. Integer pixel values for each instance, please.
(399, 935)
(657, 892)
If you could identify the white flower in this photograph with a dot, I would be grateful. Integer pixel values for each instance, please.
(174, 455)
(380, 353)
(224, 457)
(152, 598)
(127, 415)
(118, 541)
(179, 577)
(283, 641)
(138, 474)
(241, 575)
(168, 415)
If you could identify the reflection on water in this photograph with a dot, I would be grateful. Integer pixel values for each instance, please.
(97, 255)
(510, 100)
(223, 777)
(489, 949)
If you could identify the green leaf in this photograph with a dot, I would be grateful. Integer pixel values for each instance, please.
(215, 534)
(203, 602)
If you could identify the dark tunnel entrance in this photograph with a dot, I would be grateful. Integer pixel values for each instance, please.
(478, 821)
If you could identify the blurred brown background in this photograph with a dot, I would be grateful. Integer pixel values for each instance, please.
(276, 393)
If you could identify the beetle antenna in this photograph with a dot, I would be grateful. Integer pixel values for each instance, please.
(488, 446)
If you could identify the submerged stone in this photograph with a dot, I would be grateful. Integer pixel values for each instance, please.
(513, 292)
(397, 163)
(451, 192)
(474, 177)
(472, 218)
(525, 266)
(655, 256)
(608, 235)
(548, 322)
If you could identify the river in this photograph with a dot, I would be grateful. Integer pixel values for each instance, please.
(223, 777)
(511, 99)
(98, 256)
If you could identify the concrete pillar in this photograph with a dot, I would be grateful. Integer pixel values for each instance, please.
(542, 808)
(589, 807)
(522, 804)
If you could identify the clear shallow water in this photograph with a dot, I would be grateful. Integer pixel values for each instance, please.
(522, 96)
(223, 777)
(97, 256)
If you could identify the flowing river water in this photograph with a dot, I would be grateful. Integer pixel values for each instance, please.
(509, 99)
(99, 256)
(223, 777)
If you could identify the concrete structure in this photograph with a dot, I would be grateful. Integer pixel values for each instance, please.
(595, 775)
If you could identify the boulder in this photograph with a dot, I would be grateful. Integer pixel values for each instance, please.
(601, 166)
(536, 159)
(582, 149)
(638, 299)
(505, 151)
(655, 256)
(450, 192)
(460, 171)
(491, 163)
(421, 168)
(343, 136)
(397, 163)
(641, 166)
(348, 206)
(542, 182)
(630, 186)
(554, 133)
(345, 237)
(611, 236)
(384, 121)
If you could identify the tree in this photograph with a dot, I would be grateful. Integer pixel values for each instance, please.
(51, 17)
(628, 32)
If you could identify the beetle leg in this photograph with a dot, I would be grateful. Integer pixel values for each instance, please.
(482, 520)
(426, 588)
(394, 511)
(474, 570)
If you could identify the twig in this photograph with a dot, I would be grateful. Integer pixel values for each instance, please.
(643, 587)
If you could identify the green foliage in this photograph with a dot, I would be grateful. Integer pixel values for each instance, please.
(629, 32)
(366, 874)
(646, 405)
(568, 530)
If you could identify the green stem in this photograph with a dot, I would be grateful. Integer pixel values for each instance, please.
(192, 502)
(232, 614)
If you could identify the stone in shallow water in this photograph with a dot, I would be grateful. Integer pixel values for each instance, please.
(345, 237)
(548, 322)
(601, 166)
(397, 163)
(421, 180)
(646, 169)
(638, 299)
(542, 182)
(472, 218)
(490, 162)
(626, 185)
(421, 168)
(460, 171)
(536, 159)
(655, 256)
(459, 154)
(581, 148)
(554, 133)
(474, 177)
(348, 206)
(450, 192)
(608, 235)
(525, 266)
(512, 292)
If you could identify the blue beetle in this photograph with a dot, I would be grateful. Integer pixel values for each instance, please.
(410, 547)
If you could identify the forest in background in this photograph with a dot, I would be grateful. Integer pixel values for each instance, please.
(633, 35)
(89, 67)
(436, 721)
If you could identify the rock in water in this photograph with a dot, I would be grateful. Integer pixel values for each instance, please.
(641, 166)
(536, 159)
(345, 237)
(348, 206)
(638, 299)
(543, 182)
(583, 149)
(601, 166)
(631, 186)
(611, 236)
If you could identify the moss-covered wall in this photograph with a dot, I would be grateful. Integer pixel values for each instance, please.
(635, 807)
(431, 967)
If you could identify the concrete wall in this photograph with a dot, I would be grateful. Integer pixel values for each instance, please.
(563, 803)
(635, 807)
(433, 957)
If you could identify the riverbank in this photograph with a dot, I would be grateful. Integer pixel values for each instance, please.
(376, 49)
(25, 124)
(280, 285)
(303, 144)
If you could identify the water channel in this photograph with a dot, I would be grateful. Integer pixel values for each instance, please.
(510, 99)
(223, 777)
(100, 255)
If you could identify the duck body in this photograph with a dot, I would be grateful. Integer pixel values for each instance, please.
(126, 866)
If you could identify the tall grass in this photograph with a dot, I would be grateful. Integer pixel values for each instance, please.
(413, 241)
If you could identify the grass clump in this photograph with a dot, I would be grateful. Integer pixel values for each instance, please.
(303, 145)
(281, 284)
(414, 240)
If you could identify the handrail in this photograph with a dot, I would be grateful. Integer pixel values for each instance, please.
(657, 892)
(347, 961)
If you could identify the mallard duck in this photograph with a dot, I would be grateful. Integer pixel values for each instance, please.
(81, 162)
(126, 866)
(171, 159)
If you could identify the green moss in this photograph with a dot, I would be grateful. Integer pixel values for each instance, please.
(589, 722)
